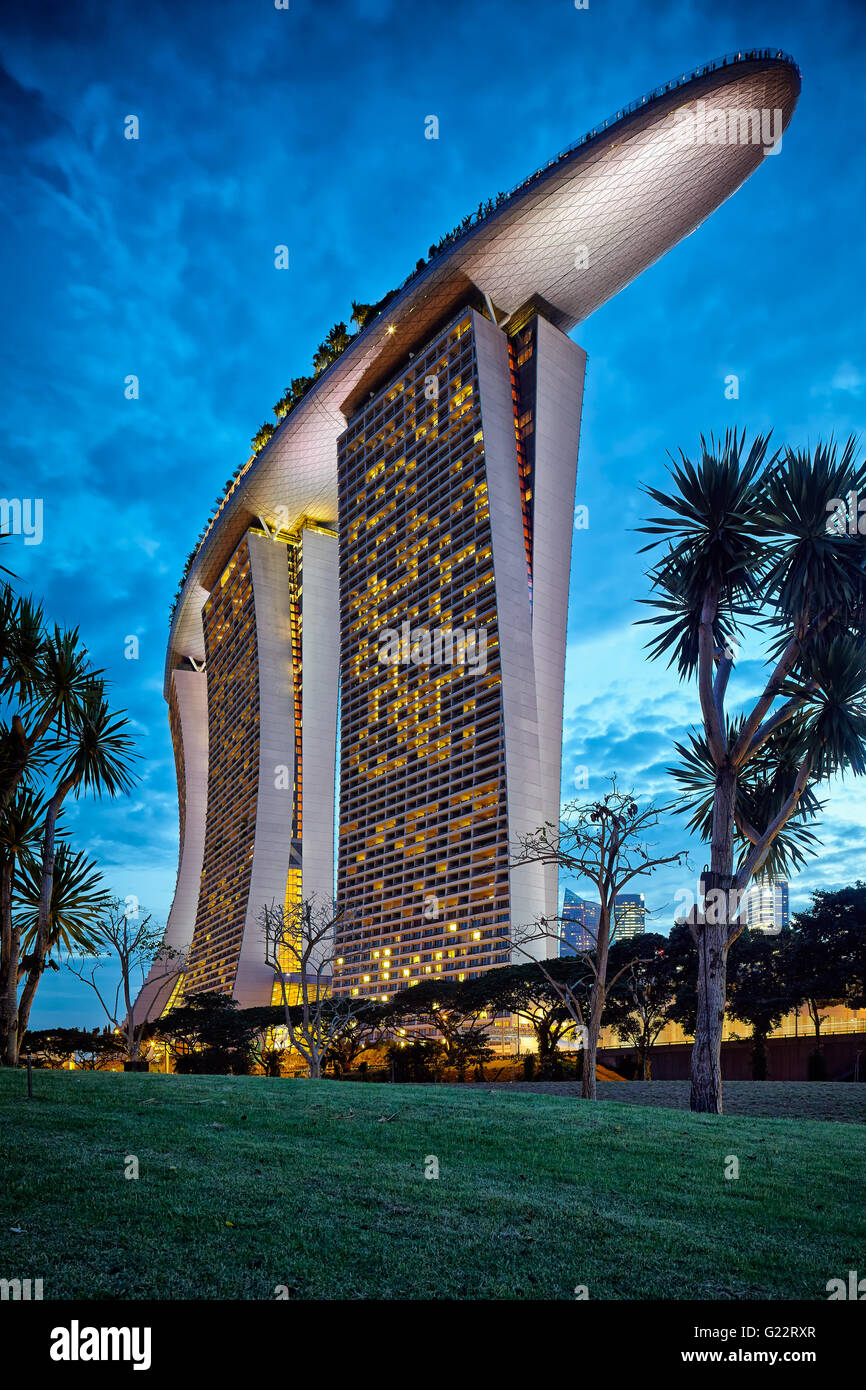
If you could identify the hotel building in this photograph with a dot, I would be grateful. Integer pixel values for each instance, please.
(404, 539)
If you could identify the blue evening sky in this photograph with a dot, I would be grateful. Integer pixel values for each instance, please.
(261, 126)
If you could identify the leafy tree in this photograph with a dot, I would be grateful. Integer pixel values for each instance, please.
(752, 540)
(45, 677)
(207, 1033)
(57, 738)
(96, 759)
(91, 1049)
(455, 1012)
(421, 1059)
(760, 993)
(643, 1001)
(20, 832)
(363, 1033)
(361, 314)
(534, 994)
(77, 897)
(338, 339)
(826, 955)
(262, 435)
(293, 393)
(684, 1006)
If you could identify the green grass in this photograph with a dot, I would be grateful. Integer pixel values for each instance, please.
(249, 1183)
(793, 1100)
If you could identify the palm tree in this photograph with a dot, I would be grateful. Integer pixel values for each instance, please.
(43, 677)
(322, 357)
(361, 314)
(98, 762)
(77, 900)
(754, 541)
(262, 435)
(338, 339)
(20, 831)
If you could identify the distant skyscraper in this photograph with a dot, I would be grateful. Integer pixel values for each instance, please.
(580, 920)
(579, 924)
(765, 905)
(630, 913)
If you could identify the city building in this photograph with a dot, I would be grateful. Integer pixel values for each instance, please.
(404, 537)
(765, 905)
(580, 918)
(630, 914)
(579, 924)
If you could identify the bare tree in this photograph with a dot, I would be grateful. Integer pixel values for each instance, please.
(604, 842)
(127, 941)
(299, 948)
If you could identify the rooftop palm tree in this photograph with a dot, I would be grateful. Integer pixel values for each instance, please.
(755, 542)
(338, 338)
(361, 314)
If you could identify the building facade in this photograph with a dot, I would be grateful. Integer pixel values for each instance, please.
(630, 913)
(579, 924)
(456, 497)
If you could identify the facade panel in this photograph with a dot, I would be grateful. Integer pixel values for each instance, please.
(423, 871)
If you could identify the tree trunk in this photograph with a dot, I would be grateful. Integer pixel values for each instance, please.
(712, 939)
(42, 943)
(706, 1095)
(33, 976)
(9, 1003)
(760, 1071)
(644, 1058)
(9, 953)
(545, 1054)
(588, 1089)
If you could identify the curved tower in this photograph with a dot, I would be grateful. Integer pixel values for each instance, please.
(406, 535)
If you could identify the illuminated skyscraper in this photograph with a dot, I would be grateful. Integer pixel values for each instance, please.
(440, 445)
(456, 501)
(630, 913)
(765, 905)
(579, 927)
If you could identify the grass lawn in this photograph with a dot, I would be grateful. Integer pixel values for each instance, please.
(793, 1100)
(249, 1183)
